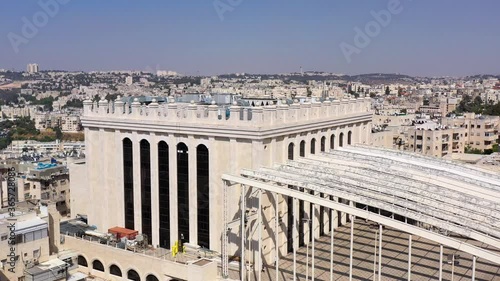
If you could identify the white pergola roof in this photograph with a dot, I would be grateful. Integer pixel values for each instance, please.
(450, 196)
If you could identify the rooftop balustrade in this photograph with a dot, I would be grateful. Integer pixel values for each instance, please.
(233, 115)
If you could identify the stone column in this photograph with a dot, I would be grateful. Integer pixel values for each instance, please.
(193, 192)
(172, 163)
(136, 151)
(119, 177)
(155, 194)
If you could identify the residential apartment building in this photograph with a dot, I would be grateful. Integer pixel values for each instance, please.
(17, 111)
(40, 183)
(33, 256)
(481, 132)
(383, 138)
(31, 238)
(68, 123)
(435, 140)
(19, 147)
(32, 68)
(46, 183)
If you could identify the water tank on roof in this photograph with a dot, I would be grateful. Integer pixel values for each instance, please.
(139, 238)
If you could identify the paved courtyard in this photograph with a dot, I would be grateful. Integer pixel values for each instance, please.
(425, 259)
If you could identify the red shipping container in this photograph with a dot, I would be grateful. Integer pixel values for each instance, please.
(120, 232)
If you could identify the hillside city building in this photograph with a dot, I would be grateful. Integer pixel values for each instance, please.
(32, 68)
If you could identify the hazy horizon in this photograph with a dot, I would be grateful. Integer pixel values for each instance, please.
(453, 38)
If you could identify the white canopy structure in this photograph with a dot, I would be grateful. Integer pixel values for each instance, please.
(429, 197)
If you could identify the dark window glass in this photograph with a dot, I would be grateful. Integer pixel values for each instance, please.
(151, 278)
(133, 275)
(183, 191)
(146, 188)
(97, 265)
(164, 194)
(128, 180)
(313, 146)
(332, 142)
(203, 182)
(115, 270)
(349, 138)
(302, 149)
(82, 261)
(323, 144)
(341, 140)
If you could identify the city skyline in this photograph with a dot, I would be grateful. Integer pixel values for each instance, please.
(217, 37)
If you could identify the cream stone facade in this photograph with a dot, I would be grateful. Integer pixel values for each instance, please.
(436, 142)
(481, 131)
(247, 138)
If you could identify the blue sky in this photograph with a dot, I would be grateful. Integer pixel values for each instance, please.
(431, 38)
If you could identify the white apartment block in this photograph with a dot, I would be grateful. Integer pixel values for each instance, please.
(129, 80)
(15, 112)
(68, 123)
(32, 68)
(17, 147)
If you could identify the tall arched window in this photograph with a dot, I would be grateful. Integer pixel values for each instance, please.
(146, 188)
(164, 194)
(313, 146)
(332, 141)
(349, 138)
(133, 275)
(203, 182)
(291, 148)
(97, 265)
(115, 270)
(323, 144)
(341, 139)
(302, 149)
(183, 191)
(128, 182)
(82, 261)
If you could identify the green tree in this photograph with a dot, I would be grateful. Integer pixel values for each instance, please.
(59, 133)
(387, 91)
(74, 103)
